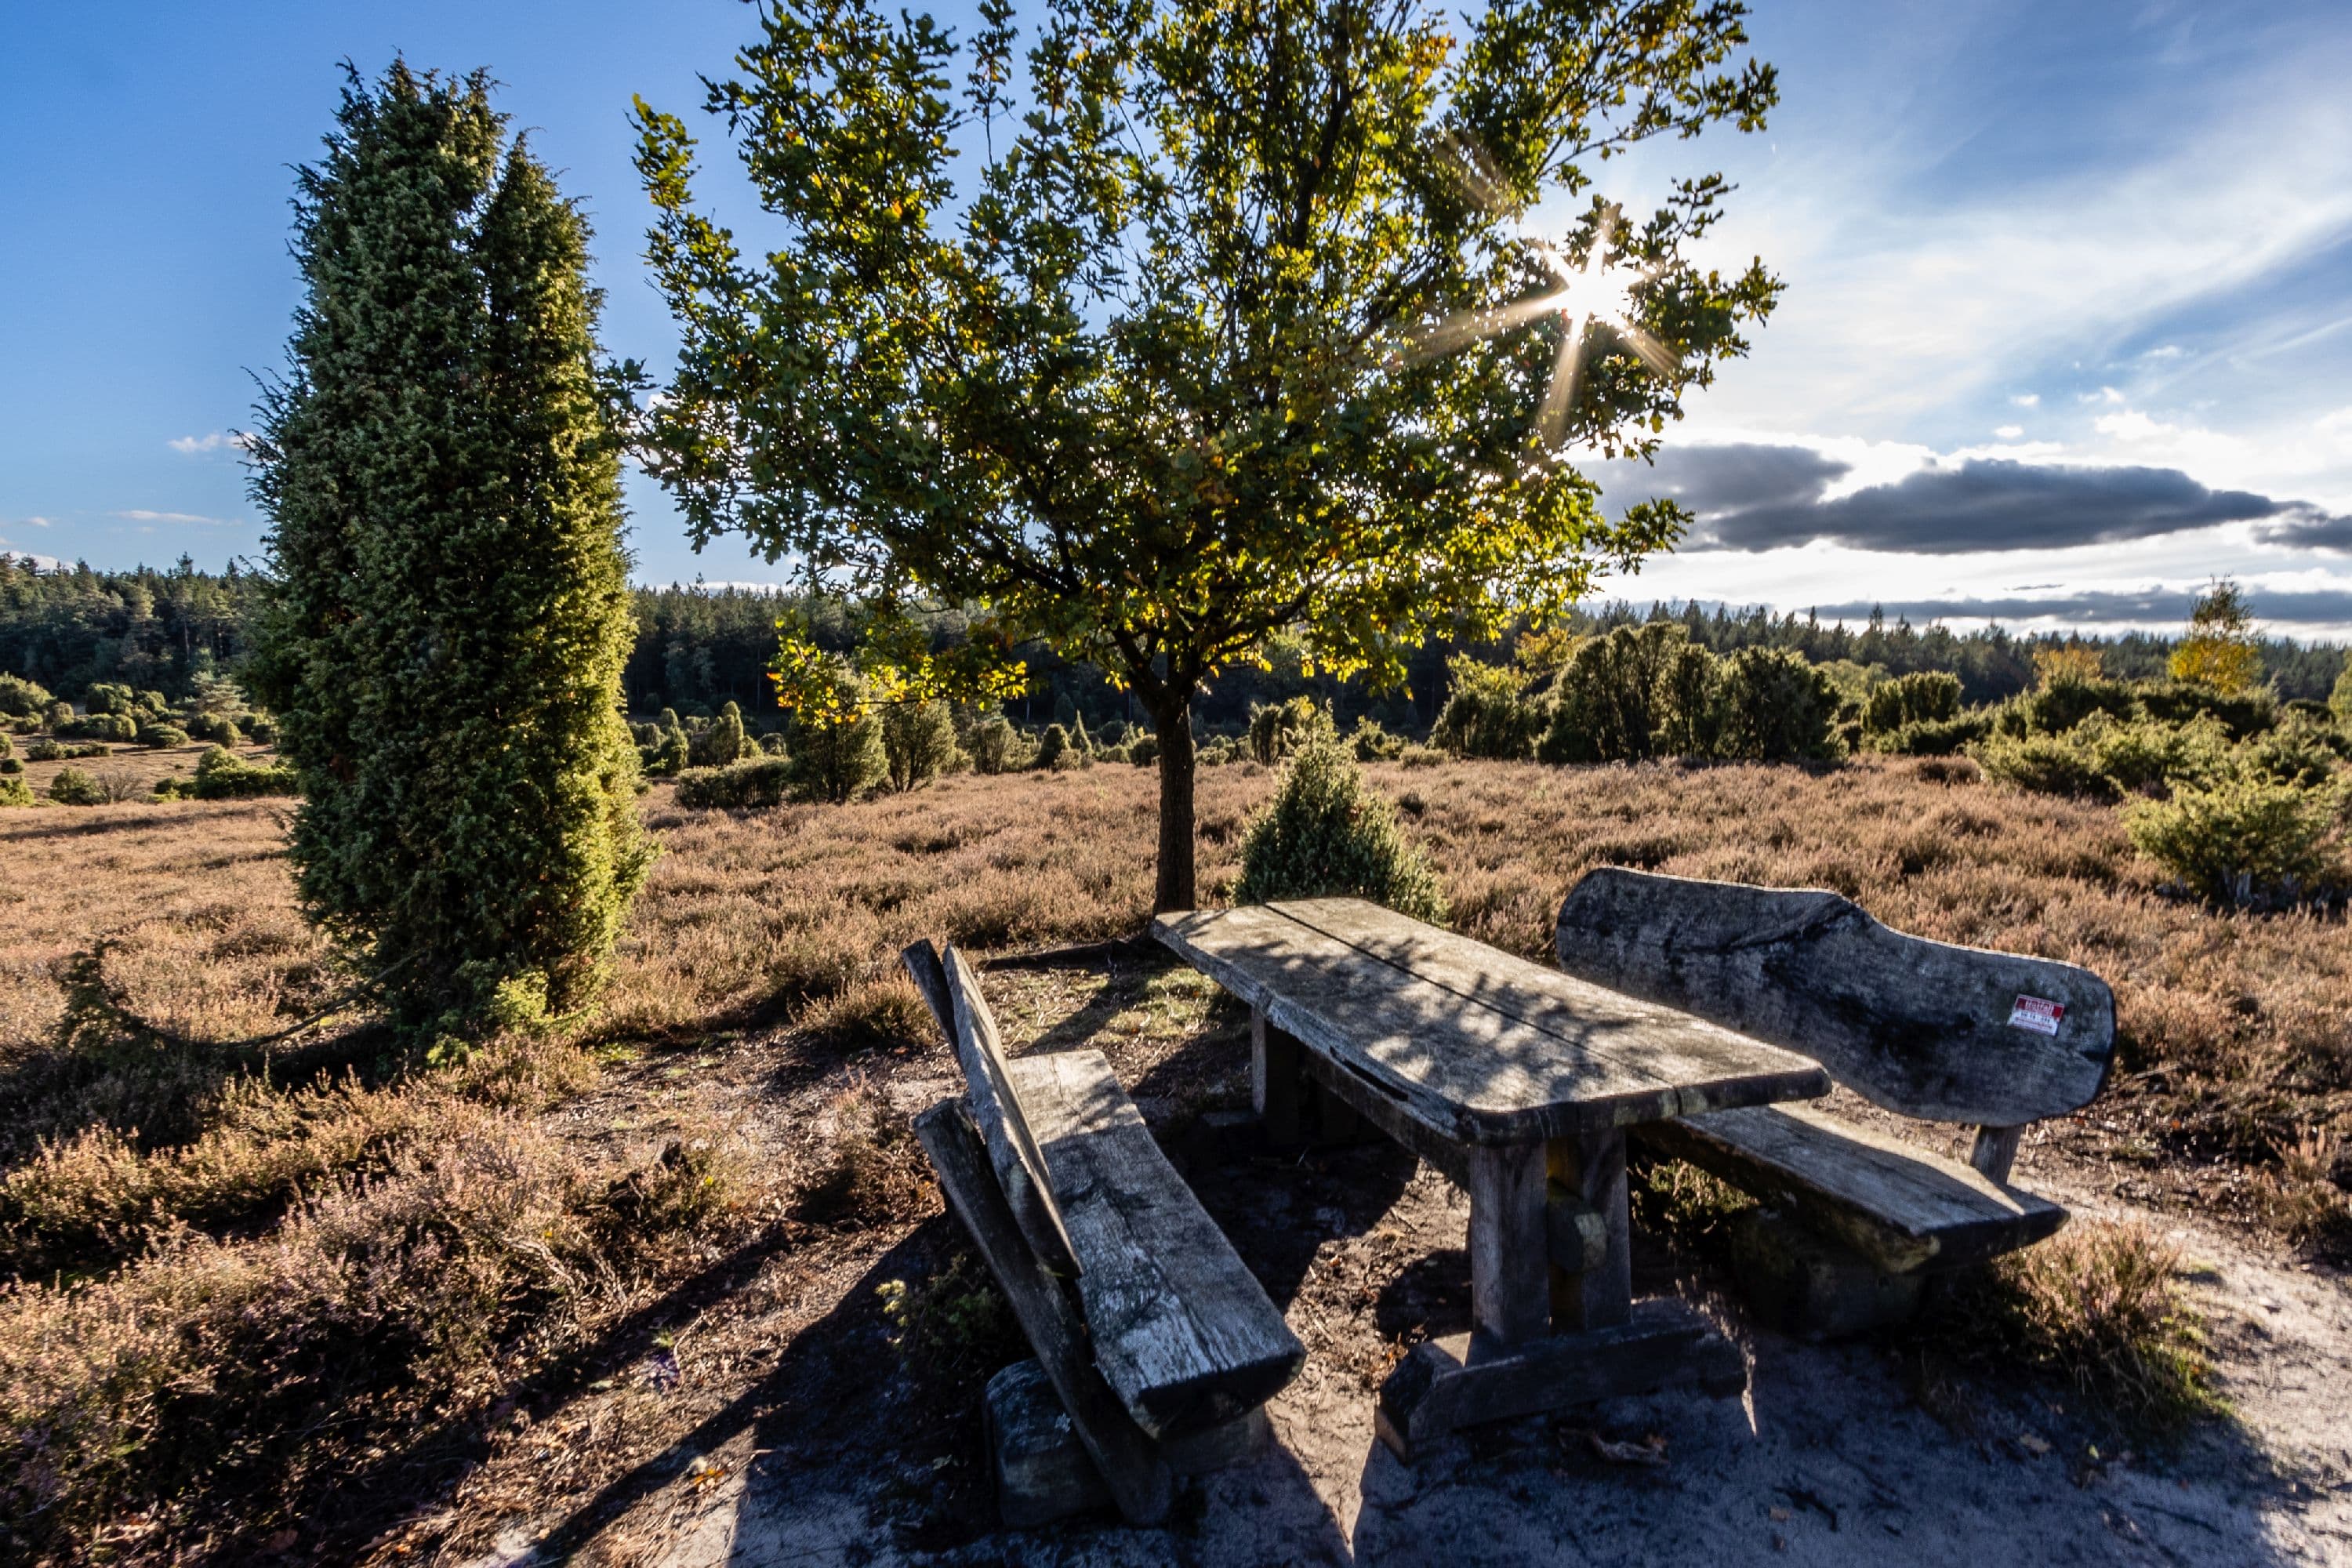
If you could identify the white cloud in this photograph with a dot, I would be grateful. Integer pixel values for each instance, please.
(2164, 352)
(38, 521)
(219, 440)
(2027, 400)
(2009, 432)
(2106, 394)
(140, 515)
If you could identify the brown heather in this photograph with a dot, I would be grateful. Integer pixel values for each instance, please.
(239, 1272)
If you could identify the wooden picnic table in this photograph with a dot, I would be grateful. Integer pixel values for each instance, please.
(1520, 1082)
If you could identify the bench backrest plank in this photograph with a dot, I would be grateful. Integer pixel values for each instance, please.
(996, 1110)
(1182, 1331)
(1924, 1028)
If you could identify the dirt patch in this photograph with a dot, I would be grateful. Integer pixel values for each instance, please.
(1839, 1455)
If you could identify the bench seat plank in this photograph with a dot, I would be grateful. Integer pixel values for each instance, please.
(1130, 1463)
(1182, 1330)
(1537, 1055)
(1902, 1207)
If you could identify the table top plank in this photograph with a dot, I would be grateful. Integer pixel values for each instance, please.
(1478, 1045)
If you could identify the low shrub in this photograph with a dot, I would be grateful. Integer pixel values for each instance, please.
(919, 743)
(13, 791)
(1930, 737)
(74, 788)
(1278, 729)
(1615, 700)
(218, 728)
(2103, 758)
(117, 727)
(110, 697)
(221, 774)
(1777, 708)
(2299, 750)
(1111, 754)
(1490, 712)
(57, 715)
(721, 742)
(954, 1328)
(1054, 750)
(1144, 750)
(1324, 833)
(997, 747)
(23, 699)
(2248, 840)
(873, 1172)
(740, 786)
(2101, 1307)
(161, 736)
(1372, 743)
(771, 744)
(2241, 714)
(837, 763)
(1925, 697)
(2339, 701)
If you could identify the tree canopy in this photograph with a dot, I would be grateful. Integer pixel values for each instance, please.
(1182, 326)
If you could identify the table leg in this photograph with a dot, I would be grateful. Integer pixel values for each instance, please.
(1274, 1070)
(1510, 1303)
(1591, 1171)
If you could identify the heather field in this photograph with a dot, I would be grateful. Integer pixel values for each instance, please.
(304, 1298)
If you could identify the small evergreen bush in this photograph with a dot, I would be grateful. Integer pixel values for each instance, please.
(2299, 750)
(221, 774)
(918, 743)
(1692, 706)
(218, 728)
(2339, 701)
(108, 726)
(1324, 833)
(2247, 841)
(1144, 750)
(161, 736)
(1931, 737)
(110, 696)
(1926, 697)
(998, 748)
(23, 699)
(13, 791)
(721, 742)
(74, 788)
(1489, 711)
(58, 716)
(1612, 702)
(2103, 758)
(1777, 708)
(1278, 729)
(1372, 744)
(771, 744)
(840, 761)
(1054, 750)
(738, 786)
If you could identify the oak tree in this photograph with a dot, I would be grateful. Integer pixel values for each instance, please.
(1184, 324)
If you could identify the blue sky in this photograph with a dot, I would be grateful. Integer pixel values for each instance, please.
(2068, 327)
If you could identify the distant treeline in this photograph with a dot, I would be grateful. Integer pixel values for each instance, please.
(699, 648)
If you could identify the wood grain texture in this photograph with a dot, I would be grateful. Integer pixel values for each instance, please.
(1478, 1045)
(1443, 1385)
(1589, 1173)
(1919, 1028)
(1273, 1079)
(1182, 1331)
(998, 1113)
(1129, 1463)
(1510, 1249)
(930, 978)
(1903, 1208)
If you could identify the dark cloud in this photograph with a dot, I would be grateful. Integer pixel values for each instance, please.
(1762, 497)
(2157, 606)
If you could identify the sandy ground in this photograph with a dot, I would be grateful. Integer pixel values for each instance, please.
(1839, 1454)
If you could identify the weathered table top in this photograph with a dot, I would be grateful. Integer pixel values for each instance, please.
(1478, 1045)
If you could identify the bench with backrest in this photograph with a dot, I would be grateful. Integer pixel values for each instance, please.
(1857, 1221)
(1156, 1345)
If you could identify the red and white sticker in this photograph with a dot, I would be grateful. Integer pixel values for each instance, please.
(2035, 1014)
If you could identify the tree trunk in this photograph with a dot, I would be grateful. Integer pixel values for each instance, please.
(1173, 719)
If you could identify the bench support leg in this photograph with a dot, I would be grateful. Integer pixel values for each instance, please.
(1589, 1173)
(1995, 1150)
(1510, 1303)
(1813, 1287)
(1274, 1069)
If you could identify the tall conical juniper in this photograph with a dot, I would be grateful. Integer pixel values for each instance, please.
(445, 639)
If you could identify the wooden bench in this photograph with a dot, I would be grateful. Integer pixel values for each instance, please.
(1857, 1221)
(1520, 1083)
(1158, 1342)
